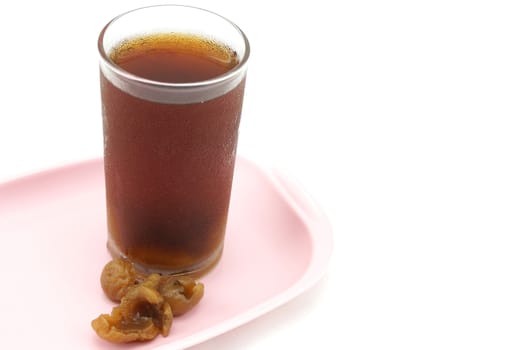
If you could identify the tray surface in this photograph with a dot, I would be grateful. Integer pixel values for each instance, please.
(53, 236)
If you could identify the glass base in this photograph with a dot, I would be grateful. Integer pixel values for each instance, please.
(197, 270)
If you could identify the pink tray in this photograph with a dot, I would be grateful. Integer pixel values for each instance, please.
(53, 235)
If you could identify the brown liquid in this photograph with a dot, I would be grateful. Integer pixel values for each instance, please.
(174, 58)
(169, 167)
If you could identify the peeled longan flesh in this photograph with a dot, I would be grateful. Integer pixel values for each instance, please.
(117, 276)
(147, 303)
(142, 315)
(182, 293)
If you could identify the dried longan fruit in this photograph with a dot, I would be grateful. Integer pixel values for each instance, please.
(182, 293)
(142, 315)
(117, 276)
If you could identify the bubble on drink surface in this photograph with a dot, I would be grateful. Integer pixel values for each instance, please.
(182, 42)
(174, 68)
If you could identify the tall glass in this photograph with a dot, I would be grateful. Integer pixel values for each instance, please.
(169, 146)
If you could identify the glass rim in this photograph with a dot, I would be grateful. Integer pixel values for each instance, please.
(215, 80)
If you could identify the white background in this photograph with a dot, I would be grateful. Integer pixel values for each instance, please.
(404, 119)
